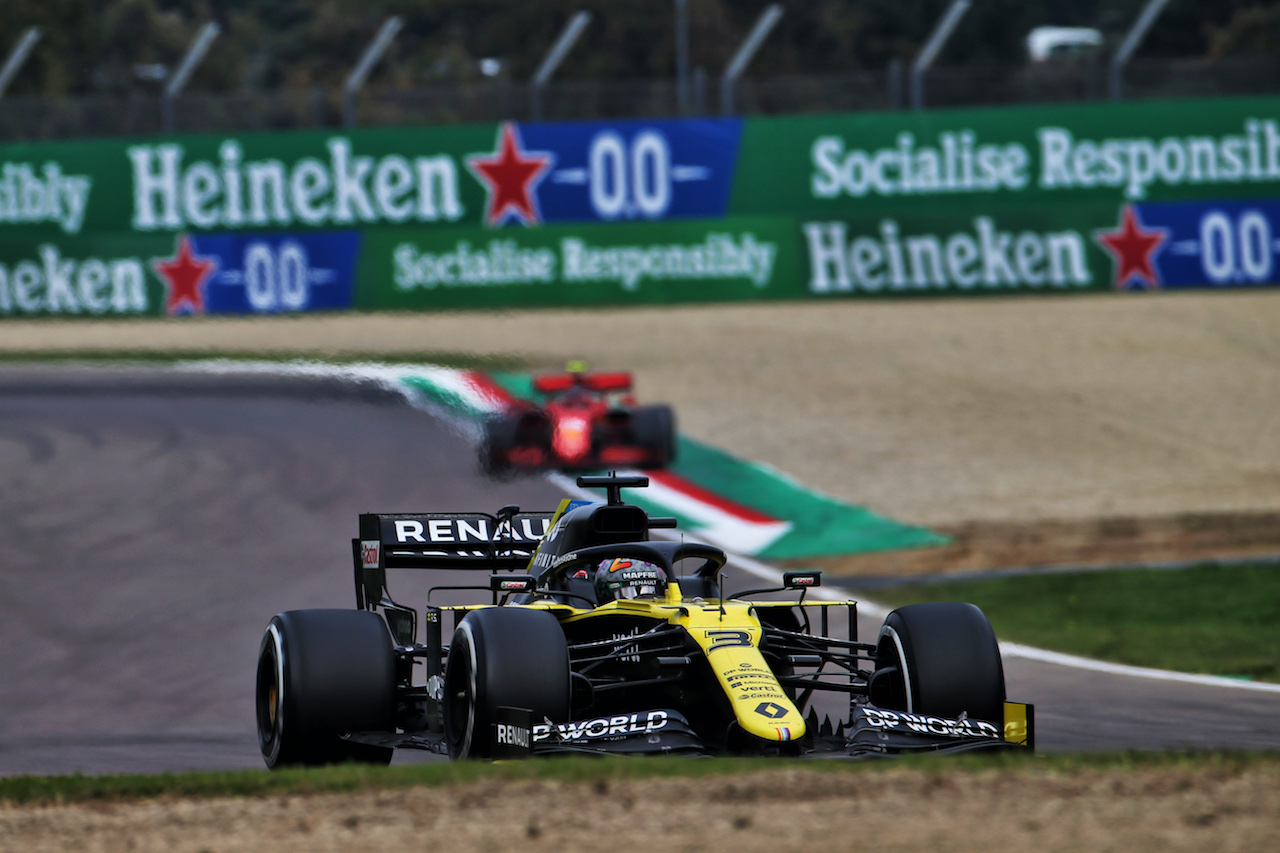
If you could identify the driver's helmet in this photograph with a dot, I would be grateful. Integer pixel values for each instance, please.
(624, 577)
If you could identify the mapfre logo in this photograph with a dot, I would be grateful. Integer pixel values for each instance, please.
(370, 553)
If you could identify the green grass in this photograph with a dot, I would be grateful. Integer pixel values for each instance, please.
(439, 358)
(43, 790)
(1214, 620)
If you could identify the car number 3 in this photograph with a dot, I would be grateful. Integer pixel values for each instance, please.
(727, 639)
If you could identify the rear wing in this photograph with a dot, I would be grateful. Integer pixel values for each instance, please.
(603, 383)
(441, 540)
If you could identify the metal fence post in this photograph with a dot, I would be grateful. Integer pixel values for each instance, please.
(1129, 46)
(178, 80)
(682, 56)
(768, 18)
(932, 47)
(894, 72)
(554, 57)
(18, 57)
(360, 73)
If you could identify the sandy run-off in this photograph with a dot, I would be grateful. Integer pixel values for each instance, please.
(1146, 811)
(997, 420)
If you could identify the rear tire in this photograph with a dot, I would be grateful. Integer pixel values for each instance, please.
(939, 659)
(496, 445)
(654, 428)
(503, 657)
(322, 674)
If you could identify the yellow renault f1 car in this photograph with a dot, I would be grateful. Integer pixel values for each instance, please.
(600, 639)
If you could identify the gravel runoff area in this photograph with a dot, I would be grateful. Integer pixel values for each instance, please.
(1149, 811)
(1034, 430)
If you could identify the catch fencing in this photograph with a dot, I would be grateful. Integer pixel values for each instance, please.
(1083, 79)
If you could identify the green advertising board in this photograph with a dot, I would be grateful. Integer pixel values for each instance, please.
(1055, 199)
(1155, 194)
(91, 275)
(1147, 151)
(691, 260)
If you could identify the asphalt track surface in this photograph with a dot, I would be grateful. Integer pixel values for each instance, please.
(154, 521)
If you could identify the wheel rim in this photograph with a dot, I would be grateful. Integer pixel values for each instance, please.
(900, 653)
(892, 695)
(270, 694)
(460, 698)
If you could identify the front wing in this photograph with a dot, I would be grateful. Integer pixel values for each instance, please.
(665, 731)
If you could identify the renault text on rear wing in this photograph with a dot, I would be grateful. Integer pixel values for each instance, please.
(441, 540)
(449, 539)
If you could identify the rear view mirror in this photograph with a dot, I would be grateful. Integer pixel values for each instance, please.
(801, 580)
(512, 583)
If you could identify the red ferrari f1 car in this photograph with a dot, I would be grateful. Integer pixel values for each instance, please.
(580, 421)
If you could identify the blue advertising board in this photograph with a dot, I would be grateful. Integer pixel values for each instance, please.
(260, 273)
(1225, 243)
(615, 171)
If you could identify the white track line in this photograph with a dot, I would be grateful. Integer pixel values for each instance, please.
(1016, 650)
(390, 376)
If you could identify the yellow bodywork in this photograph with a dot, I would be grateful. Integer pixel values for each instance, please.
(1019, 724)
(729, 635)
(728, 632)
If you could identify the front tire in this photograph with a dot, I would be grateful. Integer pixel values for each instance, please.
(322, 674)
(503, 657)
(939, 659)
(654, 428)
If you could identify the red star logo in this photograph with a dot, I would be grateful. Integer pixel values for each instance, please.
(510, 175)
(1133, 247)
(184, 275)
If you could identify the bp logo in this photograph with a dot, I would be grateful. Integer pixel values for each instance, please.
(771, 710)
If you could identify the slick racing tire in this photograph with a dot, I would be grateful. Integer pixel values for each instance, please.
(322, 674)
(503, 657)
(654, 428)
(496, 445)
(939, 659)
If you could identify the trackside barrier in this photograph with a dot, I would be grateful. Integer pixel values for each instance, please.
(1085, 197)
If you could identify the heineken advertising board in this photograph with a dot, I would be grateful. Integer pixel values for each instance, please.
(1155, 194)
(1158, 194)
